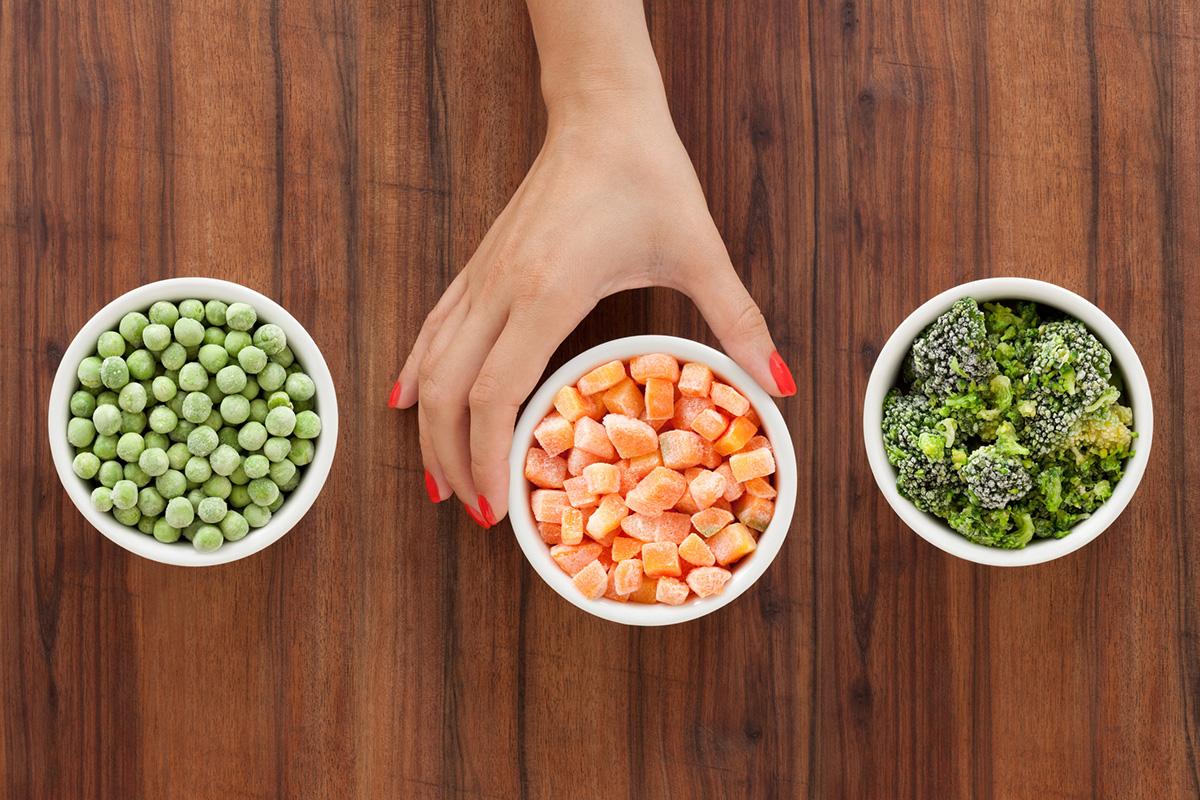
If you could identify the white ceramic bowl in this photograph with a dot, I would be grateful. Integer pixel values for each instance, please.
(886, 374)
(313, 475)
(745, 572)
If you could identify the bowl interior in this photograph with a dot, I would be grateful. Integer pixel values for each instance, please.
(747, 571)
(307, 354)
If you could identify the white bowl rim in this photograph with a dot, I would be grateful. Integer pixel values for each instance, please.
(177, 289)
(887, 366)
(748, 570)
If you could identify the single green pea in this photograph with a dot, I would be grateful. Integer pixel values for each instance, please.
(277, 448)
(217, 486)
(252, 388)
(182, 431)
(132, 398)
(212, 509)
(214, 420)
(228, 436)
(195, 496)
(235, 409)
(132, 422)
(150, 502)
(213, 358)
(192, 352)
(236, 341)
(270, 339)
(308, 425)
(83, 404)
(277, 503)
(302, 451)
(207, 539)
(299, 386)
(125, 494)
(179, 513)
(163, 389)
(175, 356)
(192, 309)
(281, 421)
(107, 420)
(105, 447)
(156, 337)
(127, 516)
(202, 441)
(146, 524)
(216, 337)
(225, 460)
(256, 515)
(193, 377)
(86, 465)
(154, 461)
(165, 532)
(284, 358)
(240, 316)
(256, 466)
(114, 372)
(163, 313)
(239, 496)
(106, 398)
(252, 359)
(178, 455)
(263, 491)
(272, 377)
(279, 400)
(89, 372)
(258, 410)
(234, 526)
(155, 440)
(130, 446)
(110, 473)
(214, 312)
(171, 484)
(162, 419)
(110, 343)
(239, 477)
(282, 472)
(141, 365)
(292, 483)
(214, 393)
(80, 431)
(231, 379)
(133, 472)
(189, 332)
(197, 469)
(196, 407)
(131, 327)
(253, 435)
(102, 498)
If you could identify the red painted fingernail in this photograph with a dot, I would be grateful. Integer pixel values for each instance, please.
(476, 517)
(782, 376)
(431, 487)
(486, 508)
(394, 397)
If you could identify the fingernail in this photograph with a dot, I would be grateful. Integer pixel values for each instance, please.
(394, 397)
(486, 508)
(476, 517)
(431, 487)
(782, 376)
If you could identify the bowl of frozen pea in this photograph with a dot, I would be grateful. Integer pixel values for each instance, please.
(193, 421)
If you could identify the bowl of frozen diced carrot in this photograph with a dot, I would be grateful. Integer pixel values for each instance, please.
(652, 480)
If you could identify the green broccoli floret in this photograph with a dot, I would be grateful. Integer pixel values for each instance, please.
(952, 352)
(1004, 323)
(992, 528)
(994, 473)
(1069, 372)
(917, 449)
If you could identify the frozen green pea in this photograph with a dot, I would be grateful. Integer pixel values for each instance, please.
(132, 398)
(182, 431)
(197, 469)
(150, 502)
(178, 455)
(106, 398)
(189, 332)
(239, 496)
(231, 379)
(256, 466)
(308, 425)
(252, 359)
(236, 341)
(192, 309)
(202, 441)
(213, 358)
(130, 446)
(125, 494)
(133, 472)
(192, 352)
(83, 404)
(89, 372)
(107, 420)
(131, 327)
(156, 337)
(163, 313)
(86, 465)
(162, 419)
(215, 337)
(281, 421)
(212, 509)
(277, 448)
(110, 343)
(214, 312)
(80, 431)
(171, 484)
(240, 316)
(258, 410)
(275, 506)
(163, 389)
(252, 388)
(196, 407)
(292, 483)
(179, 512)
(228, 436)
(252, 435)
(217, 486)
(114, 372)
(270, 339)
(110, 473)
(102, 498)
(279, 400)
(193, 377)
(214, 393)
(154, 461)
(302, 450)
(127, 516)
(263, 491)
(214, 420)
(272, 377)
(282, 472)
(154, 439)
(207, 538)
(234, 526)
(302, 405)
(284, 357)
(239, 477)
(299, 386)
(256, 515)
(132, 422)
(225, 460)
(235, 409)
(175, 356)
(146, 524)
(195, 496)
(165, 532)
(141, 365)
(105, 447)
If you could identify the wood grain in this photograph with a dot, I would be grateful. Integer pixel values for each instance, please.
(345, 156)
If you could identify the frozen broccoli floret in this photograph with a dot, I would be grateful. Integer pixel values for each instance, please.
(994, 473)
(1105, 429)
(918, 448)
(1069, 374)
(992, 528)
(1006, 323)
(952, 352)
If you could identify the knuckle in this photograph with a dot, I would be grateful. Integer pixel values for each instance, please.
(748, 321)
(487, 391)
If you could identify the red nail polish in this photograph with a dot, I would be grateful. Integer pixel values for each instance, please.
(476, 517)
(782, 376)
(394, 397)
(431, 487)
(486, 508)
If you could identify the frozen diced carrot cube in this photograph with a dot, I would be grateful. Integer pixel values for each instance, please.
(708, 580)
(660, 399)
(724, 504)
(625, 398)
(695, 380)
(629, 436)
(591, 581)
(729, 399)
(607, 519)
(669, 526)
(754, 512)
(611, 592)
(659, 490)
(624, 547)
(548, 505)
(572, 526)
(603, 377)
(755, 464)
(627, 575)
(760, 487)
(731, 543)
(687, 504)
(569, 402)
(711, 520)
(646, 593)
(733, 488)
(671, 591)
(656, 425)
(706, 487)
(654, 365)
(694, 550)
(735, 437)
(710, 424)
(574, 557)
(591, 436)
(602, 478)
(554, 434)
(605, 557)
(710, 458)
(579, 460)
(578, 494)
(752, 415)
(680, 449)
(626, 479)
(686, 411)
(550, 533)
(756, 442)
(543, 470)
(660, 558)
(641, 466)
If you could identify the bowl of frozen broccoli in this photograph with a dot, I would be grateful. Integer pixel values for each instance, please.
(1008, 421)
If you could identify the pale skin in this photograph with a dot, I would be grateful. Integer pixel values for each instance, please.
(611, 202)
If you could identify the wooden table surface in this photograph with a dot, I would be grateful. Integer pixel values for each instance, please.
(345, 157)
